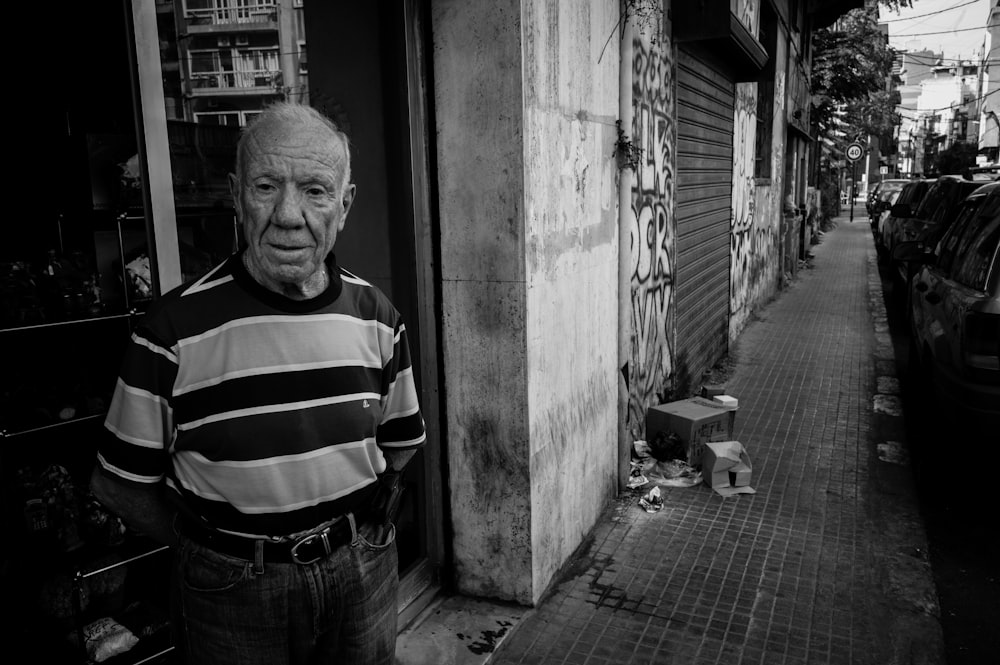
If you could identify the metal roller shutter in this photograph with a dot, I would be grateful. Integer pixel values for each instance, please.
(705, 97)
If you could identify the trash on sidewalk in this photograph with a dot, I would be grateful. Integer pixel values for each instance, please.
(652, 468)
(635, 477)
(667, 446)
(674, 473)
(695, 421)
(710, 390)
(726, 468)
(651, 501)
(727, 401)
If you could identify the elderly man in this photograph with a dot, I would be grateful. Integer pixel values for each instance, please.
(258, 412)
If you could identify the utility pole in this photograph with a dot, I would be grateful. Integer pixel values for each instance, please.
(854, 179)
(854, 152)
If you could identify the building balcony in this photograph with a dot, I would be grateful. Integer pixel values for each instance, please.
(244, 18)
(230, 83)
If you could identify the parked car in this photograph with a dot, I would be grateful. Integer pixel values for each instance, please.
(880, 216)
(984, 173)
(954, 312)
(931, 218)
(880, 195)
(911, 195)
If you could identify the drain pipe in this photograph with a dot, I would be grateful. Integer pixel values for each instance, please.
(625, 177)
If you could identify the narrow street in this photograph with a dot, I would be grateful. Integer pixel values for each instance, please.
(955, 499)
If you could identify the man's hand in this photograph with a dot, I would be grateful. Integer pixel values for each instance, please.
(142, 508)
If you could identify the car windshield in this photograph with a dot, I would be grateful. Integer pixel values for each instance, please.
(912, 192)
(884, 190)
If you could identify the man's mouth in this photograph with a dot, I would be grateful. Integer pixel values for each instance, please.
(288, 248)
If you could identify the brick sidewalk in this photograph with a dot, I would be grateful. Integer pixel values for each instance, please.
(808, 570)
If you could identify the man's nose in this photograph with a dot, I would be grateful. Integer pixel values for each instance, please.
(288, 207)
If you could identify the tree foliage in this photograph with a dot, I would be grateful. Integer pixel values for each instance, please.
(956, 158)
(851, 61)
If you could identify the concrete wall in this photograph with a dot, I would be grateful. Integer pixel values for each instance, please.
(652, 224)
(571, 220)
(480, 168)
(525, 142)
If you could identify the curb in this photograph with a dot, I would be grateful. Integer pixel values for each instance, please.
(912, 612)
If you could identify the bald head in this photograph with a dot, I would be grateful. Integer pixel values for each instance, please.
(282, 118)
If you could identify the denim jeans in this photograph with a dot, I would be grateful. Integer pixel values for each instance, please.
(339, 610)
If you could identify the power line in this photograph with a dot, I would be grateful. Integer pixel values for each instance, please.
(939, 32)
(945, 108)
(938, 62)
(940, 11)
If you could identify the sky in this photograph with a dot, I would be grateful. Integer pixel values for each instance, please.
(960, 26)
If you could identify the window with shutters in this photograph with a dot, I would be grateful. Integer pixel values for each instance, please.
(765, 93)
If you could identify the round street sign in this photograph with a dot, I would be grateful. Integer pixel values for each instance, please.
(854, 151)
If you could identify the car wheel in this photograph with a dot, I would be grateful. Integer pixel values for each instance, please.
(923, 399)
(898, 290)
(885, 242)
(902, 275)
(881, 253)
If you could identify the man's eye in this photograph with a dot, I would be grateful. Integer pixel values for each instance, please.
(264, 187)
(316, 191)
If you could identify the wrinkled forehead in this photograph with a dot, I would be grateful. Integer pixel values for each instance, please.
(305, 138)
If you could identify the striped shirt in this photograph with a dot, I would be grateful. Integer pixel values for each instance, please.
(263, 415)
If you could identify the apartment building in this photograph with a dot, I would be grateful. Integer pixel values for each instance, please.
(233, 57)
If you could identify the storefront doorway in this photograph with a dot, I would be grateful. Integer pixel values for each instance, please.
(363, 64)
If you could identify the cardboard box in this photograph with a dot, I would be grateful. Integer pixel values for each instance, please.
(726, 468)
(696, 421)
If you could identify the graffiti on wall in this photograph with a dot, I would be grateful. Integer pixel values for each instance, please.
(748, 13)
(652, 231)
(753, 233)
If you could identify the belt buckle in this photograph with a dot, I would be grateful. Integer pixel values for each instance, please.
(323, 536)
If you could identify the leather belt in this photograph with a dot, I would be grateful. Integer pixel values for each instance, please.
(306, 549)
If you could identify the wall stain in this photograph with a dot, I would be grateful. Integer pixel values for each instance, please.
(494, 461)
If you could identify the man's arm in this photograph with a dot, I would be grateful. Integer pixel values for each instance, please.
(143, 508)
(397, 459)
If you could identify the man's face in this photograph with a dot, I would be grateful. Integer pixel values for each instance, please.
(292, 201)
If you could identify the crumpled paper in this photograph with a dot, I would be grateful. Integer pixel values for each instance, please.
(635, 477)
(651, 501)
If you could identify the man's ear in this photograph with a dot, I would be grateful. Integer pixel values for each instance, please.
(347, 200)
(234, 191)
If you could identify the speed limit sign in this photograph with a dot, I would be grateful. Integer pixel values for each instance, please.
(854, 151)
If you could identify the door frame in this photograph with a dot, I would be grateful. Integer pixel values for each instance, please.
(420, 280)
